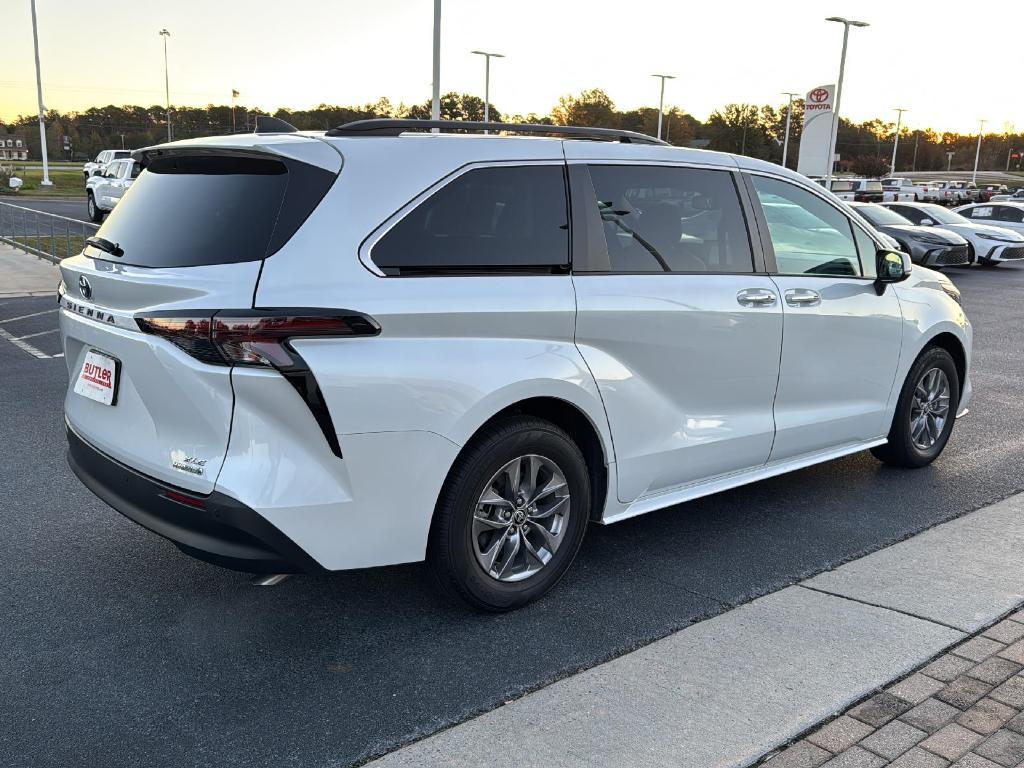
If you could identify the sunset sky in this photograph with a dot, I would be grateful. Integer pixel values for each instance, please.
(915, 54)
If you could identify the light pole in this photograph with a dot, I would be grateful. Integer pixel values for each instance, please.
(847, 23)
(789, 114)
(435, 97)
(977, 152)
(896, 141)
(661, 99)
(42, 110)
(487, 80)
(167, 87)
(949, 161)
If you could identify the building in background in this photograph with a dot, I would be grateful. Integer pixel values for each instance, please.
(13, 146)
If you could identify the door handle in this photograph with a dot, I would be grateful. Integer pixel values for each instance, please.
(802, 297)
(755, 297)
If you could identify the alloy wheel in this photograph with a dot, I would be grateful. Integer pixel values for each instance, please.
(520, 518)
(929, 409)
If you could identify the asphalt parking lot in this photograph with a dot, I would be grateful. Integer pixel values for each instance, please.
(71, 209)
(118, 650)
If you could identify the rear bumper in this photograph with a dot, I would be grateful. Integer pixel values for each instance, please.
(224, 532)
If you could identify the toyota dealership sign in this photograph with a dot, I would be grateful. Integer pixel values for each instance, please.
(818, 118)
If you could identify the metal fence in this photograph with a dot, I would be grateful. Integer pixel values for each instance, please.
(45, 235)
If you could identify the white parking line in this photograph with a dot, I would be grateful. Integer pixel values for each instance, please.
(38, 333)
(25, 346)
(26, 317)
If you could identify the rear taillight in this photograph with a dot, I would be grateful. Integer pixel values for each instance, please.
(262, 338)
(252, 337)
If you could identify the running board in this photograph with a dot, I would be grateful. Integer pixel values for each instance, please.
(724, 482)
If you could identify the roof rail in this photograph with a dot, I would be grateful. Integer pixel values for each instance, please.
(392, 127)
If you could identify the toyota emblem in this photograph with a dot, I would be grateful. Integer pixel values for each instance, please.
(818, 95)
(84, 287)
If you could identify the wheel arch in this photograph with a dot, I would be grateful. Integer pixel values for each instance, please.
(952, 344)
(579, 425)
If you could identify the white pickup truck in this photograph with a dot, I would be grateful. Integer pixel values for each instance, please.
(903, 189)
(103, 159)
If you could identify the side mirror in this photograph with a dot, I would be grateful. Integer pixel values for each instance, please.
(891, 267)
(927, 223)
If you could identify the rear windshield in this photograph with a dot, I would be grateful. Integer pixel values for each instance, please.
(873, 186)
(195, 210)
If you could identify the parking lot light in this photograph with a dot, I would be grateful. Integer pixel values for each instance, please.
(661, 99)
(487, 80)
(435, 86)
(789, 114)
(167, 87)
(42, 109)
(847, 23)
(896, 141)
(977, 152)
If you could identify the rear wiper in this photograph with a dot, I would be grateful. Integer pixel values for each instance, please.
(114, 249)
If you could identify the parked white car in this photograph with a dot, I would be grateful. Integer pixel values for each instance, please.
(283, 361)
(105, 190)
(1015, 197)
(105, 157)
(1005, 215)
(990, 245)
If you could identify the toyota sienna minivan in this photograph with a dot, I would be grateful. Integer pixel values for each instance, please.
(305, 352)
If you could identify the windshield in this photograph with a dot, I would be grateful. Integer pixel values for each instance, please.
(880, 216)
(941, 215)
(842, 186)
(873, 186)
(891, 182)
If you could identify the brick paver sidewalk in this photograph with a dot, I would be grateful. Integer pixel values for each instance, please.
(964, 709)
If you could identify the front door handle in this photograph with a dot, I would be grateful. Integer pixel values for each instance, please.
(802, 297)
(755, 297)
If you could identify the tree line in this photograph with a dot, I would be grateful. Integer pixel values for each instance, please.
(758, 131)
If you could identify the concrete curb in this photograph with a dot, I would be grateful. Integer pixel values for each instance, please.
(726, 691)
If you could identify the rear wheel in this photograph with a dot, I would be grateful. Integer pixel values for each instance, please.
(925, 412)
(511, 516)
(95, 213)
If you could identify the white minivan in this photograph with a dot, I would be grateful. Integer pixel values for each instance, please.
(375, 345)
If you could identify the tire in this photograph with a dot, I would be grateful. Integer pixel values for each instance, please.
(905, 447)
(466, 529)
(95, 212)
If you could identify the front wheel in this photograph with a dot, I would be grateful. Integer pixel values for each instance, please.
(95, 213)
(925, 412)
(511, 515)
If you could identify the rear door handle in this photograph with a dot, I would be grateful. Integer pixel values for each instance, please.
(755, 297)
(802, 297)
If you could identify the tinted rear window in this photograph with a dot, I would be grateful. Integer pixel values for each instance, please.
(194, 210)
